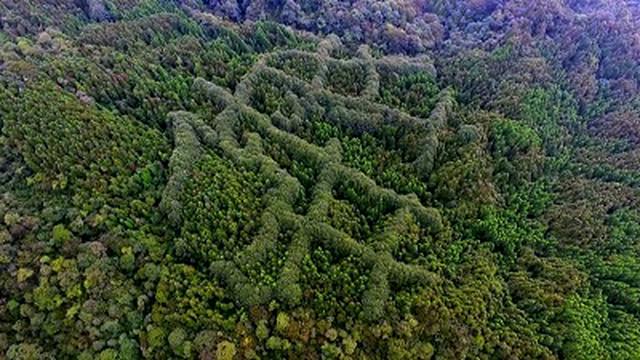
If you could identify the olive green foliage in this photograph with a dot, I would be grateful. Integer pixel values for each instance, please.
(434, 180)
(413, 92)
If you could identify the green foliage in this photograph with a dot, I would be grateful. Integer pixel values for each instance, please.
(220, 212)
(346, 78)
(624, 227)
(225, 351)
(108, 354)
(623, 335)
(178, 343)
(61, 235)
(24, 351)
(129, 349)
(269, 35)
(282, 322)
(298, 64)
(516, 150)
(584, 320)
(414, 92)
(103, 146)
(553, 114)
(512, 227)
(176, 185)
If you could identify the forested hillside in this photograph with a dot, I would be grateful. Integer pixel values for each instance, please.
(306, 179)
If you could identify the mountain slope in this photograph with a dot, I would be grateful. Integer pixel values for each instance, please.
(401, 180)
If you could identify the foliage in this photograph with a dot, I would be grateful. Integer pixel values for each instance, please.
(435, 179)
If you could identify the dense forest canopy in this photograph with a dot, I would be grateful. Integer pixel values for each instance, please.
(307, 179)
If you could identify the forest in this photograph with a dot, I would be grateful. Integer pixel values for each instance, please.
(307, 179)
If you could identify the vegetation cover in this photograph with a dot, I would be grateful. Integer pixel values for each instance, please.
(310, 179)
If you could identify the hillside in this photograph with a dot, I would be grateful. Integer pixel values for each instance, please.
(319, 179)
